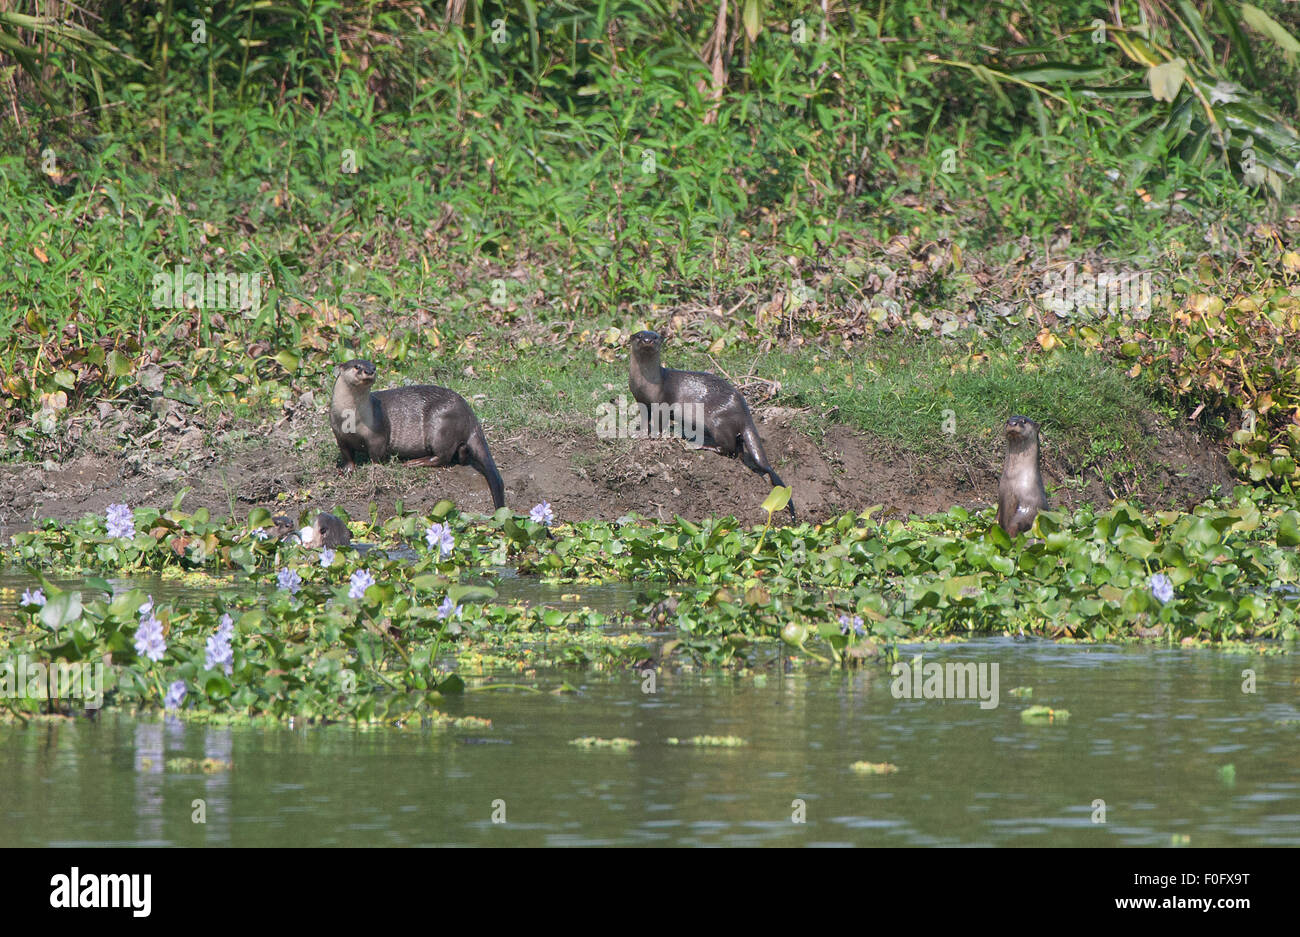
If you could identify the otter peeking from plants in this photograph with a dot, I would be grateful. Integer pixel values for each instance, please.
(421, 425)
(327, 530)
(700, 398)
(1021, 494)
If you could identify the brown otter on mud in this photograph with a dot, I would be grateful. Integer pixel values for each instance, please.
(1021, 494)
(422, 425)
(727, 423)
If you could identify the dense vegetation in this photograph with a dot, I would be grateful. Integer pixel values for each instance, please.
(366, 635)
(892, 202)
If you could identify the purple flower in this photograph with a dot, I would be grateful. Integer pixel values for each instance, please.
(120, 521)
(361, 580)
(440, 535)
(542, 513)
(146, 608)
(259, 533)
(447, 609)
(1161, 587)
(854, 623)
(288, 579)
(326, 556)
(149, 640)
(175, 695)
(218, 649)
(32, 598)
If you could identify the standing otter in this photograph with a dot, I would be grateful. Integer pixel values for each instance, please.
(728, 425)
(1021, 494)
(326, 531)
(422, 425)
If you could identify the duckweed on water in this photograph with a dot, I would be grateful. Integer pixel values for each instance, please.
(615, 744)
(1044, 715)
(380, 635)
(711, 741)
(870, 768)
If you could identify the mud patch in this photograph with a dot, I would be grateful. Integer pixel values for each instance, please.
(291, 466)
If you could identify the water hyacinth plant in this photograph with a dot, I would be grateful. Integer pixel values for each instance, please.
(361, 580)
(439, 535)
(289, 580)
(1161, 587)
(735, 593)
(119, 521)
(149, 641)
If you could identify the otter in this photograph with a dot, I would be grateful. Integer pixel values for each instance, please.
(422, 425)
(728, 425)
(1021, 494)
(326, 531)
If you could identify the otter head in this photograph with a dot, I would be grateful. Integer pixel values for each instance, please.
(646, 345)
(1021, 431)
(358, 372)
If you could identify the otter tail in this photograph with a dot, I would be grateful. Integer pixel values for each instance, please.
(481, 458)
(751, 451)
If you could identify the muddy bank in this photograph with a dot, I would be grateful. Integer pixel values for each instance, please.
(292, 465)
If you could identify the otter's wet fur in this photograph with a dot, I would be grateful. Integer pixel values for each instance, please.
(421, 425)
(326, 531)
(1021, 494)
(728, 425)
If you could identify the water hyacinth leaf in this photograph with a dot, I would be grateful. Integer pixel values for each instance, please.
(258, 517)
(1252, 605)
(778, 498)
(686, 525)
(429, 582)
(444, 507)
(1288, 529)
(127, 604)
(99, 584)
(459, 594)
(1199, 530)
(997, 535)
(61, 610)
(452, 685)
(216, 686)
(1136, 546)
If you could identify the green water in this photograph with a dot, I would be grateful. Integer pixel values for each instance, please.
(1149, 731)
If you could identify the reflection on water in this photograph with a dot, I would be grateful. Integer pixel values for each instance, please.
(1148, 734)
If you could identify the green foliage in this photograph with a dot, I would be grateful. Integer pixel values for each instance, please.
(320, 654)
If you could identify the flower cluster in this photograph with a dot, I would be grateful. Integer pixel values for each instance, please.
(542, 513)
(1162, 587)
(361, 580)
(219, 652)
(289, 580)
(439, 535)
(149, 640)
(33, 597)
(853, 624)
(121, 523)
